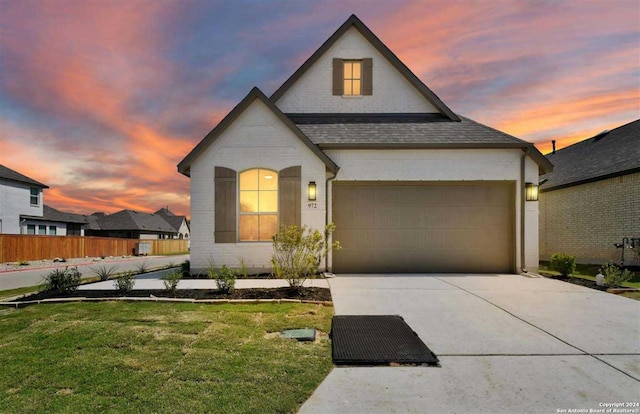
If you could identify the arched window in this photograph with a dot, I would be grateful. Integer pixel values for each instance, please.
(258, 198)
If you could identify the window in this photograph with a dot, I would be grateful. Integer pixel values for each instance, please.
(53, 231)
(31, 229)
(258, 205)
(352, 73)
(42, 230)
(35, 196)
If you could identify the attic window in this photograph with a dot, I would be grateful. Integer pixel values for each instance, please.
(352, 77)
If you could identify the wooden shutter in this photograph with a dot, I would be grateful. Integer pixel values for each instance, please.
(225, 208)
(367, 76)
(338, 78)
(290, 196)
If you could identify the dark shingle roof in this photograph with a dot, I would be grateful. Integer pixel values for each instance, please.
(168, 216)
(389, 129)
(51, 214)
(133, 220)
(7, 173)
(603, 156)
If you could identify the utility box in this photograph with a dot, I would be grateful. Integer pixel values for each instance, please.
(143, 249)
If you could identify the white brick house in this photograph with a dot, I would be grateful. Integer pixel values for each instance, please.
(355, 138)
(19, 196)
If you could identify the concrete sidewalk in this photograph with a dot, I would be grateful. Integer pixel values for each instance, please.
(506, 344)
(25, 277)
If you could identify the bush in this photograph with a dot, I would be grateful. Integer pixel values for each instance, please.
(225, 279)
(298, 252)
(614, 276)
(124, 284)
(170, 281)
(142, 267)
(103, 272)
(63, 281)
(563, 263)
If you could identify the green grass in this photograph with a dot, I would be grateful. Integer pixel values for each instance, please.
(151, 357)
(11, 293)
(588, 271)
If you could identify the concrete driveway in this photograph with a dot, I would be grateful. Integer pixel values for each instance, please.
(506, 344)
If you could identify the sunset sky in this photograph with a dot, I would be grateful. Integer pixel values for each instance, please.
(101, 99)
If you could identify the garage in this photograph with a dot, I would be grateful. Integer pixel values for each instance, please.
(424, 227)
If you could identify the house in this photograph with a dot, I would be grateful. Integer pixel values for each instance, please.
(353, 137)
(177, 222)
(19, 196)
(54, 223)
(591, 200)
(130, 224)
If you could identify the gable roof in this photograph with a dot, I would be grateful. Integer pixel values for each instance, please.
(185, 165)
(136, 221)
(169, 217)
(355, 22)
(8, 174)
(606, 155)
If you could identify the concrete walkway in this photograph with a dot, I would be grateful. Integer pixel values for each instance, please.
(506, 344)
(25, 277)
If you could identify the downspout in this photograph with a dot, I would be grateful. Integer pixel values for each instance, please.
(522, 201)
(326, 212)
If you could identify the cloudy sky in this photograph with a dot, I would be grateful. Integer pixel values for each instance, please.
(101, 99)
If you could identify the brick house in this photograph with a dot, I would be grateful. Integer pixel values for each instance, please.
(355, 138)
(591, 200)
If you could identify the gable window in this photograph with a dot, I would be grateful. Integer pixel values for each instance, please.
(352, 74)
(258, 205)
(34, 196)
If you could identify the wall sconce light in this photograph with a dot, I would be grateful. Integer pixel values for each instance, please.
(311, 191)
(531, 191)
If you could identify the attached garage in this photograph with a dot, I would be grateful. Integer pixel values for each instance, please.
(424, 227)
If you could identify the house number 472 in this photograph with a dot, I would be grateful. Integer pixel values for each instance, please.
(312, 205)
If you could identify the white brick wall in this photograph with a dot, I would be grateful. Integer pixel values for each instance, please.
(391, 91)
(15, 201)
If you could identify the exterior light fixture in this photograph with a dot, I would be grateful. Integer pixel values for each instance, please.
(531, 191)
(311, 191)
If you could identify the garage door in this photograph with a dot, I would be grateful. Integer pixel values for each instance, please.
(424, 227)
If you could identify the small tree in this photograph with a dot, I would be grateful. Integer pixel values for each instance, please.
(124, 284)
(614, 276)
(563, 263)
(171, 280)
(298, 252)
(225, 279)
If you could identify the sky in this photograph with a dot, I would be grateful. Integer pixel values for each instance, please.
(100, 100)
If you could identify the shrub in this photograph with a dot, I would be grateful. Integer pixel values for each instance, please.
(103, 272)
(142, 267)
(63, 281)
(225, 279)
(298, 252)
(170, 281)
(614, 276)
(124, 284)
(243, 272)
(563, 263)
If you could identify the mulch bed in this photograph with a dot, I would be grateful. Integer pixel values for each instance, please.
(305, 293)
(579, 281)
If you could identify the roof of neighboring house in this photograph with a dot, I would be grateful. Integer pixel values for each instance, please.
(51, 214)
(608, 154)
(354, 21)
(7, 173)
(135, 221)
(167, 215)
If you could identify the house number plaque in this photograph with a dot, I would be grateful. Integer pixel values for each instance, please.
(312, 205)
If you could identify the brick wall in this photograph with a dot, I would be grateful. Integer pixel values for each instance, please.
(586, 220)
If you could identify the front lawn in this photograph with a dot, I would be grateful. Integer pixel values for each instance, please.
(159, 357)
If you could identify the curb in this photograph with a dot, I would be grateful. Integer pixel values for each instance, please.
(25, 303)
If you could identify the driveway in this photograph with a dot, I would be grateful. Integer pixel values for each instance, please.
(506, 343)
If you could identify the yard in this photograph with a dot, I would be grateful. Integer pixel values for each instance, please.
(151, 357)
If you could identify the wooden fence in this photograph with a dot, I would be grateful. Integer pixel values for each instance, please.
(14, 247)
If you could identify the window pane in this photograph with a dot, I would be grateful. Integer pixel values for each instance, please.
(31, 229)
(52, 230)
(268, 201)
(356, 70)
(34, 191)
(268, 226)
(249, 180)
(348, 69)
(268, 180)
(356, 87)
(249, 201)
(248, 227)
(42, 229)
(347, 87)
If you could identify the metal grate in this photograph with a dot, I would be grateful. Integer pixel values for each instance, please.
(377, 340)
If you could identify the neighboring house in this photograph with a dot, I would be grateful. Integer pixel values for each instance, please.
(54, 223)
(177, 222)
(591, 201)
(19, 196)
(129, 224)
(353, 137)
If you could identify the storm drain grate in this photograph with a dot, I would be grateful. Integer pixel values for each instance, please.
(377, 340)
